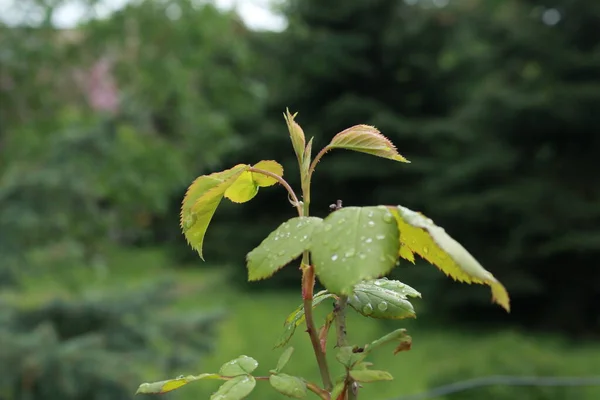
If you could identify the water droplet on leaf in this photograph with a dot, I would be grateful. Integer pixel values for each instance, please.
(380, 237)
(334, 257)
(388, 217)
(327, 227)
(350, 253)
(367, 309)
(369, 240)
(425, 249)
(362, 256)
(371, 223)
(382, 306)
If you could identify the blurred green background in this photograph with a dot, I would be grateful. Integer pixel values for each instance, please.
(109, 110)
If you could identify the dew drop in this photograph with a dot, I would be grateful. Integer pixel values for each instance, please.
(303, 238)
(334, 257)
(362, 256)
(341, 221)
(371, 223)
(370, 214)
(388, 217)
(380, 237)
(276, 238)
(367, 309)
(382, 306)
(327, 227)
(180, 377)
(350, 253)
(378, 283)
(425, 249)
(368, 240)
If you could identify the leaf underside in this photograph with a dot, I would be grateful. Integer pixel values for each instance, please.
(366, 139)
(288, 385)
(418, 234)
(354, 244)
(201, 201)
(282, 246)
(235, 389)
(172, 384)
(205, 194)
(383, 299)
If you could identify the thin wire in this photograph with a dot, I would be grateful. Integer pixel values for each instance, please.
(506, 380)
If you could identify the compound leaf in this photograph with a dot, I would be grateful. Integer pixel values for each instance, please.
(288, 385)
(269, 166)
(366, 139)
(282, 246)
(366, 375)
(235, 389)
(354, 244)
(240, 366)
(383, 299)
(172, 384)
(201, 201)
(420, 235)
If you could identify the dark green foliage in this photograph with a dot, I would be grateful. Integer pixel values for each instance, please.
(495, 110)
(97, 346)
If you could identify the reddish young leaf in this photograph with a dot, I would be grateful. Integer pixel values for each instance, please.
(366, 139)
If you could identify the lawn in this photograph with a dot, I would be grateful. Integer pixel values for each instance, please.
(254, 321)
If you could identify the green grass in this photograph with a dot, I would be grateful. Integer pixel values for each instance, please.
(254, 322)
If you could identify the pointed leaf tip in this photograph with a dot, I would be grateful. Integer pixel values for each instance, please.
(366, 139)
(201, 201)
(418, 234)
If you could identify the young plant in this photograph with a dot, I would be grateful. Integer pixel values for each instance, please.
(349, 251)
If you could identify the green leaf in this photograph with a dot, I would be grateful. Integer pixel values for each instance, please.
(235, 389)
(354, 244)
(239, 366)
(284, 358)
(337, 390)
(296, 134)
(290, 386)
(172, 384)
(297, 317)
(348, 357)
(282, 246)
(373, 299)
(201, 201)
(243, 189)
(420, 235)
(269, 166)
(370, 375)
(399, 335)
(366, 139)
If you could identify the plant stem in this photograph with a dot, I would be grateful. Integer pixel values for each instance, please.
(308, 284)
(317, 158)
(283, 183)
(317, 390)
(340, 320)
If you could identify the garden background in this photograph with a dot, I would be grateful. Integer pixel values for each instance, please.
(105, 122)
